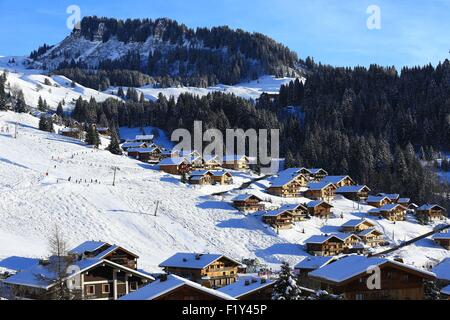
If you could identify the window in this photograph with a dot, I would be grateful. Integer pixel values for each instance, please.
(133, 286)
(90, 290)
(359, 296)
(105, 288)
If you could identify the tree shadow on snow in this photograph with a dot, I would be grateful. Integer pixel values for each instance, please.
(211, 204)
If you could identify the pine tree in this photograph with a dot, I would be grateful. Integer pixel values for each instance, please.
(42, 105)
(114, 146)
(46, 123)
(286, 287)
(60, 110)
(432, 292)
(92, 136)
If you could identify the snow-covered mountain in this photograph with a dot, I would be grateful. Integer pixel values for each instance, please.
(36, 194)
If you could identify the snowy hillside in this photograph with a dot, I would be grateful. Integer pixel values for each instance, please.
(57, 89)
(35, 195)
(247, 90)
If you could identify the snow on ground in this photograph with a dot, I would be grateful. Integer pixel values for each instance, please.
(32, 83)
(35, 195)
(247, 90)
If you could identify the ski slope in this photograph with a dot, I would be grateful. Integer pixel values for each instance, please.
(35, 195)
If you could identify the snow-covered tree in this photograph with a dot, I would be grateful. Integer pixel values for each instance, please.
(432, 291)
(286, 287)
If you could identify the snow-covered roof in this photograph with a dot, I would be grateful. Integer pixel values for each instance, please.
(145, 137)
(142, 150)
(283, 179)
(335, 179)
(352, 266)
(313, 263)
(244, 197)
(174, 161)
(245, 285)
(316, 203)
(234, 158)
(442, 236)
(69, 130)
(367, 232)
(192, 260)
(159, 288)
(88, 246)
(442, 270)
(199, 173)
(376, 198)
(446, 290)
(220, 173)
(292, 207)
(404, 200)
(315, 186)
(18, 263)
(390, 206)
(427, 207)
(132, 144)
(211, 159)
(44, 276)
(316, 170)
(391, 196)
(351, 189)
(276, 213)
(356, 222)
(319, 239)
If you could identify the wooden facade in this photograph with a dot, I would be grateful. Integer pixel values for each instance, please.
(442, 240)
(219, 273)
(355, 193)
(236, 163)
(319, 209)
(290, 188)
(222, 178)
(378, 202)
(372, 237)
(325, 192)
(398, 213)
(282, 220)
(248, 203)
(176, 168)
(355, 227)
(330, 247)
(430, 213)
(396, 283)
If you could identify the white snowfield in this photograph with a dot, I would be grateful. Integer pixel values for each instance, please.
(58, 89)
(35, 195)
(32, 83)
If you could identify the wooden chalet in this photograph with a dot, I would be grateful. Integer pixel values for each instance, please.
(334, 244)
(299, 211)
(321, 191)
(317, 174)
(238, 163)
(404, 202)
(211, 163)
(288, 185)
(349, 277)
(147, 138)
(319, 209)
(250, 288)
(175, 166)
(104, 131)
(357, 225)
(442, 239)
(355, 193)
(170, 154)
(93, 279)
(201, 178)
(339, 181)
(325, 245)
(106, 251)
(445, 292)
(378, 201)
(134, 145)
(174, 288)
(279, 219)
(75, 133)
(209, 270)
(392, 212)
(430, 212)
(371, 237)
(309, 264)
(442, 272)
(145, 154)
(393, 197)
(222, 177)
(248, 203)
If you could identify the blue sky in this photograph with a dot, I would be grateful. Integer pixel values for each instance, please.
(413, 32)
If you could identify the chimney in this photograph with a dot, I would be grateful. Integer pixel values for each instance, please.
(163, 277)
(263, 280)
(198, 256)
(254, 280)
(247, 282)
